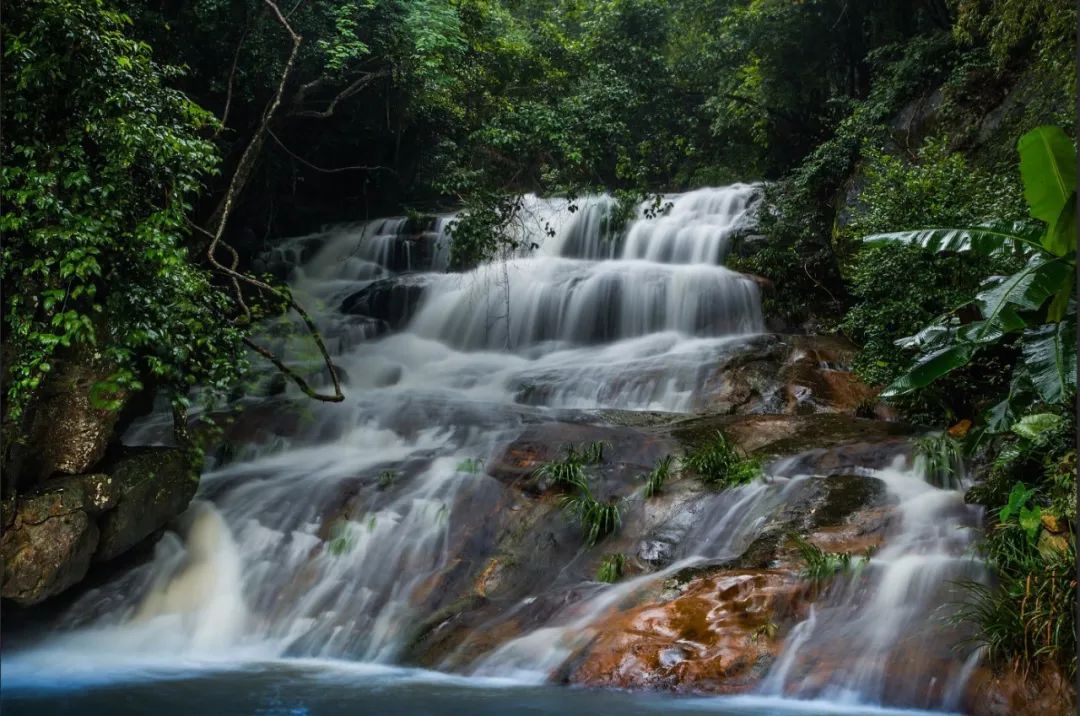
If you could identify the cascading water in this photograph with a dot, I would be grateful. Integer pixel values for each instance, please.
(335, 541)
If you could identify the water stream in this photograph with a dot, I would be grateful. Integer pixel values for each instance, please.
(309, 558)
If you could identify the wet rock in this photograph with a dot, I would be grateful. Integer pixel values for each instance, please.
(792, 375)
(50, 536)
(152, 486)
(719, 635)
(818, 436)
(391, 300)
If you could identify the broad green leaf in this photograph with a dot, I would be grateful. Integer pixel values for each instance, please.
(1030, 520)
(1050, 357)
(1025, 290)
(1060, 238)
(929, 368)
(1060, 305)
(992, 239)
(1048, 170)
(1036, 427)
(1001, 417)
(1018, 499)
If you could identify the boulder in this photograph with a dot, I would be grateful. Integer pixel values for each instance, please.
(50, 536)
(391, 300)
(152, 486)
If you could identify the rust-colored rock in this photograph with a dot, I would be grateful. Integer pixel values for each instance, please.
(719, 635)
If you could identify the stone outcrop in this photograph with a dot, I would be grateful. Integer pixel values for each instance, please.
(54, 532)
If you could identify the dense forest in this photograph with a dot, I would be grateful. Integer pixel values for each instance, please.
(916, 163)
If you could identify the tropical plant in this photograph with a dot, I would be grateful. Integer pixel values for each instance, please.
(1029, 615)
(598, 519)
(1033, 304)
(655, 478)
(718, 463)
(611, 568)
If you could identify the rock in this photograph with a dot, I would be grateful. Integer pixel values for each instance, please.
(718, 635)
(50, 536)
(391, 300)
(1007, 692)
(153, 485)
(67, 433)
(792, 375)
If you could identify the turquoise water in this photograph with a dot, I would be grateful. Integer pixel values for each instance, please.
(330, 688)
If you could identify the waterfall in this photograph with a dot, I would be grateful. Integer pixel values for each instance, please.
(353, 523)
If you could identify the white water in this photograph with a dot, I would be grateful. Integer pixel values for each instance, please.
(335, 541)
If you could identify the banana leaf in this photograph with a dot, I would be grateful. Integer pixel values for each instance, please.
(1050, 357)
(1019, 238)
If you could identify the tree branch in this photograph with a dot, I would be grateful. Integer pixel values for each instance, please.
(360, 83)
(308, 164)
(236, 185)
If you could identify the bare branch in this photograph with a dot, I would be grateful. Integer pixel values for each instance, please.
(308, 164)
(359, 84)
(236, 185)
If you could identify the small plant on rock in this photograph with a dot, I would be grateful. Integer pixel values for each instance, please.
(566, 473)
(611, 569)
(821, 565)
(655, 479)
(593, 453)
(718, 463)
(598, 519)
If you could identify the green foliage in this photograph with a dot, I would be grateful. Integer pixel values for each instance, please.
(1018, 505)
(1015, 304)
(655, 478)
(942, 459)
(567, 473)
(386, 479)
(597, 519)
(611, 568)
(471, 466)
(1029, 616)
(821, 565)
(593, 453)
(342, 539)
(101, 163)
(719, 464)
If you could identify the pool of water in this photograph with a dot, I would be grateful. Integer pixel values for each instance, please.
(332, 688)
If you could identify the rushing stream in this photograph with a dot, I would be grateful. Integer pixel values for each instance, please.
(309, 558)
